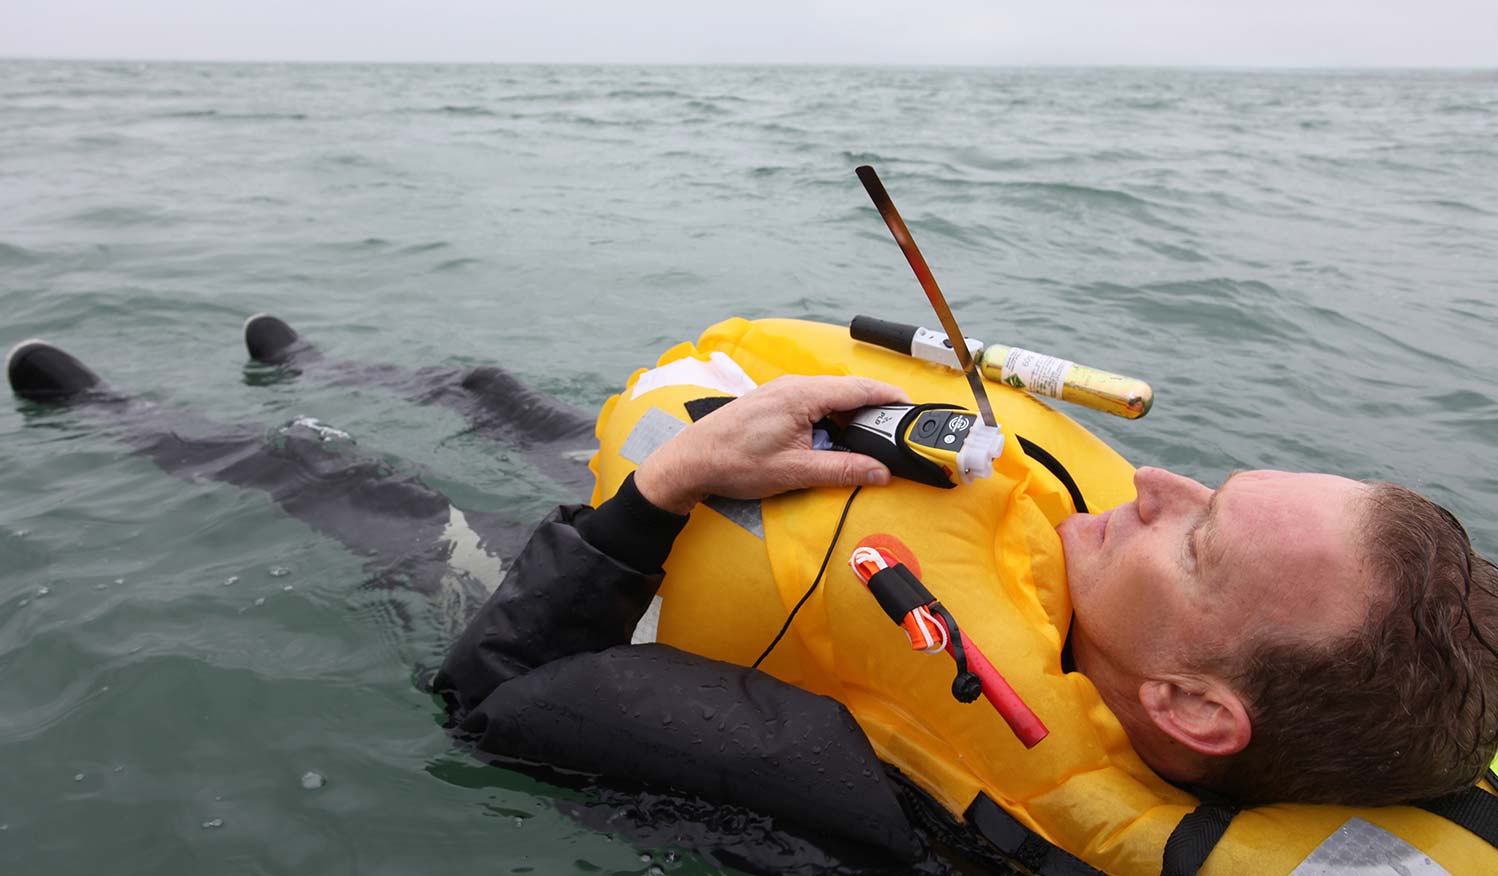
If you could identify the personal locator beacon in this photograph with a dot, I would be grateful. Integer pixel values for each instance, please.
(937, 444)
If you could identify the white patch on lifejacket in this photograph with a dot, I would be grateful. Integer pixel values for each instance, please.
(466, 555)
(1361, 848)
(717, 372)
(649, 625)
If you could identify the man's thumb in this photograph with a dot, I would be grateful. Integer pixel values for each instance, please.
(831, 468)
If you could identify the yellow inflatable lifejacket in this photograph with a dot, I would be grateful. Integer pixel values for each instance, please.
(990, 553)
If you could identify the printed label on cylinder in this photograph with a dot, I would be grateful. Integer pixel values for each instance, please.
(1036, 372)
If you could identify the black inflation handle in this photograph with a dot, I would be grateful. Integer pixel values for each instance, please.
(896, 336)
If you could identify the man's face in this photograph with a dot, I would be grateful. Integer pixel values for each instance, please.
(1185, 571)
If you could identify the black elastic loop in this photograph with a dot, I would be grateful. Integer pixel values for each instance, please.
(1471, 808)
(1194, 838)
(832, 545)
(898, 591)
(1054, 466)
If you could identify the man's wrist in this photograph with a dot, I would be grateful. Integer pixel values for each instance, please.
(664, 482)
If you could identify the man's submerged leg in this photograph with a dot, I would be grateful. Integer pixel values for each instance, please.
(555, 437)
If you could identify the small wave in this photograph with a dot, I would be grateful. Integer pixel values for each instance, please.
(15, 256)
(1466, 109)
(1074, 198)
(122, 216)
(416, 248)
(233, 117)
(454, 265)
(707, 106)
(1171, 251)
(1463, 400)
(637, 93)
(462, 110)
(1457, 206)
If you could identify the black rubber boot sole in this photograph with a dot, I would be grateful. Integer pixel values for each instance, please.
(40, 371)
(269, 339)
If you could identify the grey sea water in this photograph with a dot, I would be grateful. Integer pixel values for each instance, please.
(1302, 263)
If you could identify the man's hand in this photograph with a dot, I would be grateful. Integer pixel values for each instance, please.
(760, 444)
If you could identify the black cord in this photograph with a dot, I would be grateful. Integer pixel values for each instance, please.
(815, 581)
(1052, 464)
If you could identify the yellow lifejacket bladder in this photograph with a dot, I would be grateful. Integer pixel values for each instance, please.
(989, 552)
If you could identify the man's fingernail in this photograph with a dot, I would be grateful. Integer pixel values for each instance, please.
(879, 477)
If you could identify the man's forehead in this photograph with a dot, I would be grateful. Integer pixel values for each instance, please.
(1290, 541)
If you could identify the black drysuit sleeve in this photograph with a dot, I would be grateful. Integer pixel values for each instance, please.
(545, 673)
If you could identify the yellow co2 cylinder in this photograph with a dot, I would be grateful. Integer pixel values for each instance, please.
(1063, 379)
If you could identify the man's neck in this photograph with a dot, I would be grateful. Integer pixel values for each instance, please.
(1119, 690)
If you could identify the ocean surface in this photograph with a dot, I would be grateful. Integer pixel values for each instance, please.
(1303, 264)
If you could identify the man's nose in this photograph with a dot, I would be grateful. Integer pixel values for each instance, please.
(1163, 492)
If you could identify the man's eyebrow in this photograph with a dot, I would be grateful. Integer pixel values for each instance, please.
(1209, 520)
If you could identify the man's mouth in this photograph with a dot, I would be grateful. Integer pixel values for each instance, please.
(1102, 525)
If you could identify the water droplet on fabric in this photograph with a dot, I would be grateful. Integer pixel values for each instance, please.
(213, 823)
(312, 780)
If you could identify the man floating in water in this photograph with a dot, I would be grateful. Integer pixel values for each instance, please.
(1252, 640)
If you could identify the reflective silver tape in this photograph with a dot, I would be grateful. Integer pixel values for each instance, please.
(657, 427)
(652, 430)
(1360, 848)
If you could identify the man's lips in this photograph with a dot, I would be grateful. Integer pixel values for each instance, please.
(1102, 525)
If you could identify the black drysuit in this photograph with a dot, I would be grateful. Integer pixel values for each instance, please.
(545, 672)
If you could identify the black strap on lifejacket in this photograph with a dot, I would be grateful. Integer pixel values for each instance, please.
(1022, 844)
(1197, 834)
(1471, 808)
(1054, 466)
(1194, 838)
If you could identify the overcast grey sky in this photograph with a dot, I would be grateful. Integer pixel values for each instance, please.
(1461, 33)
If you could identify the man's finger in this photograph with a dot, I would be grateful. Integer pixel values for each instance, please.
(823, 395)
(832, 468)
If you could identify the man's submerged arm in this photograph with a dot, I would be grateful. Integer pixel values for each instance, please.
(580, 584)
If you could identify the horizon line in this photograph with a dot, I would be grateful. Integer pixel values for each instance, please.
(1051, 65)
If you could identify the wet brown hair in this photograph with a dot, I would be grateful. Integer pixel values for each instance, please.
(1402, 709)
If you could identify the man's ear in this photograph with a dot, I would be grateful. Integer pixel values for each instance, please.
(1203, 714)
